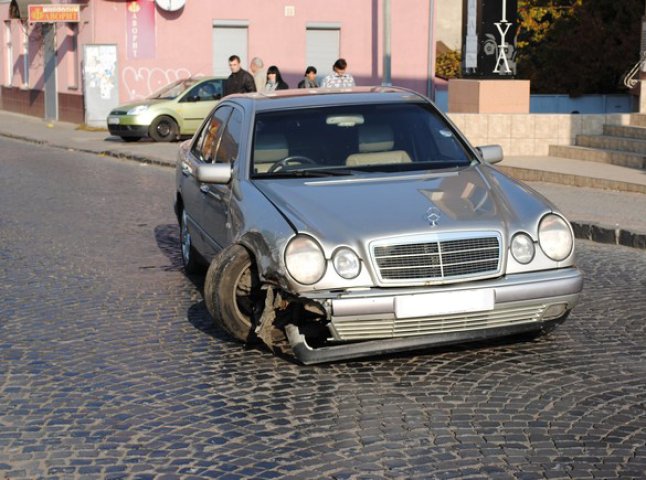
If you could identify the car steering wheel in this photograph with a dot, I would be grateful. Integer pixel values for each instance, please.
(297, 159)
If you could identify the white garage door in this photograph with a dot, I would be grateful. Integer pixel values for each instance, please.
(322, 48)
(229, 38)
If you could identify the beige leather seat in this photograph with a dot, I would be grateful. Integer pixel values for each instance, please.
(269, 149)
(376, 144)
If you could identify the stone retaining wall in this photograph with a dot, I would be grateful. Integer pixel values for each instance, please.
(531, 134)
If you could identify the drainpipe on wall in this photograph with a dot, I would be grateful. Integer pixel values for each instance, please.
(642, 70)
(430, 82)
(387, 80)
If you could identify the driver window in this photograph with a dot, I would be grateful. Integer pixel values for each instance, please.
(207, 145)
(207, 91)
(230, 142)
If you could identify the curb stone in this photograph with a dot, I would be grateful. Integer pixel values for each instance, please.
(609, 235)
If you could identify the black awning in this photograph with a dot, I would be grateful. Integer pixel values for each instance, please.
(19, 9)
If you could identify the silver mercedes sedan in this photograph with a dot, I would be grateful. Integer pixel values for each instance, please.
(338, 224)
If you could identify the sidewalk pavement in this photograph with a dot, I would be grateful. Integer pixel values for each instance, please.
(605, 203)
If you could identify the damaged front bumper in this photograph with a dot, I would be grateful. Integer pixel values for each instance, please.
(378, 321)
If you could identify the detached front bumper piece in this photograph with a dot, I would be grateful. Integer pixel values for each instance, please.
(382, 322)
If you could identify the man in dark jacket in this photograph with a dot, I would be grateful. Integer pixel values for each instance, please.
(240, 81)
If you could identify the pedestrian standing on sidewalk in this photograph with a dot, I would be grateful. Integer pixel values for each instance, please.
(275, 80)
(240, 81)
(339, 78)
(257, 68)
(310, 79)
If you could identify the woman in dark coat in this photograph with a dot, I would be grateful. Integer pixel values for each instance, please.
(275, 80)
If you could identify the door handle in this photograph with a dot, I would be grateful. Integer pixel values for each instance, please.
(204, 188)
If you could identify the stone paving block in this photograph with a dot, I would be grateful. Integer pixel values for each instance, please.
(108, 369)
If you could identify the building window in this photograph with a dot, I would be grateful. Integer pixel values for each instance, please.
(230, 37)
(72, 55)
(8, 53)
(322, 46)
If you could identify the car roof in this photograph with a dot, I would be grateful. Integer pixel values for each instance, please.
(314, 97)
(201, 78)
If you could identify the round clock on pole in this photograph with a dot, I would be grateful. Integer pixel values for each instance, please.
(170, 5)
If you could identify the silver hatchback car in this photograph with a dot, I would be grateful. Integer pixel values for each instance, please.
(343, 224)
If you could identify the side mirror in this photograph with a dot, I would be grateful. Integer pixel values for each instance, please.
(219, 173)
(490, 153)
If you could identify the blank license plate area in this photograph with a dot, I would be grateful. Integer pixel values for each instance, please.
(444, 303)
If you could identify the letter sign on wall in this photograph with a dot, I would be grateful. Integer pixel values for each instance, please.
(54, 13)
(489, 31)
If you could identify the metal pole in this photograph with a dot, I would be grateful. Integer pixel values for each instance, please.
(387, 80)
(430, 83)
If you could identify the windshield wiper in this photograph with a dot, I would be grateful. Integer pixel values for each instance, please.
(308, 173)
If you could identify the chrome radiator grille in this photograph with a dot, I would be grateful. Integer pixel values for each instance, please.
(367, 328)
(438, 260)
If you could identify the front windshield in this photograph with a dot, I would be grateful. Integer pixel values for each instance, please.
(337, 140)
(173, 90)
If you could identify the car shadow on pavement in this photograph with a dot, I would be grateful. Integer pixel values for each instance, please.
(142, 140)
(167, 238)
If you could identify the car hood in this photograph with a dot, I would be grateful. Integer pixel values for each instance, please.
(347, 209)
(149, 102)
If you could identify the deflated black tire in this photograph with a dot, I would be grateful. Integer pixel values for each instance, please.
(232, 293)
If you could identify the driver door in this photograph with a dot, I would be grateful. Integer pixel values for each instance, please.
(218, 218)
(195, 193)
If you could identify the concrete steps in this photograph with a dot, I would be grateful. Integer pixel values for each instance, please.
(614, 157)
(618, 145)
(638, 120)
(625, 131)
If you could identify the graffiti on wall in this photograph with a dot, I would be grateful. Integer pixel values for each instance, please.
(141, 82)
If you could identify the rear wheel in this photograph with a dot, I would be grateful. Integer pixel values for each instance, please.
(232, 293)
(164, 129)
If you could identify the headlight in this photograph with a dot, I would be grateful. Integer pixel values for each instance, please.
(304, 260)
(137, 110)
(522, 248)
(346, 263)
(555, 237)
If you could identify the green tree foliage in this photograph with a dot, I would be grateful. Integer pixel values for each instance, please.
(578, 46)
(447, 64)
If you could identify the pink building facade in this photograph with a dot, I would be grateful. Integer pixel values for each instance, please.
(149, 43)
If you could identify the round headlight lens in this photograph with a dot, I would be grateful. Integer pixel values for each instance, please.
(304, 260)
(555, 237)
(522, 248)
(137, 110)
(346, 263)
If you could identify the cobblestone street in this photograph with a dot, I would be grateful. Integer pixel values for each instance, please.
(110, 369)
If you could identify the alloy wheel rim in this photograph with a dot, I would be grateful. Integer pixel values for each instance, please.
(163, 129)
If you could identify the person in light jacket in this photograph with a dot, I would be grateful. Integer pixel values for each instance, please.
(257, 69)
(339, 78)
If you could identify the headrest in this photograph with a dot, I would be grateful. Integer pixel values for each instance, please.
(206, 90)
(375, 138)
(270, 148)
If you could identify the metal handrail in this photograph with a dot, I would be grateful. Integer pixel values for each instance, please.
(629, 78)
